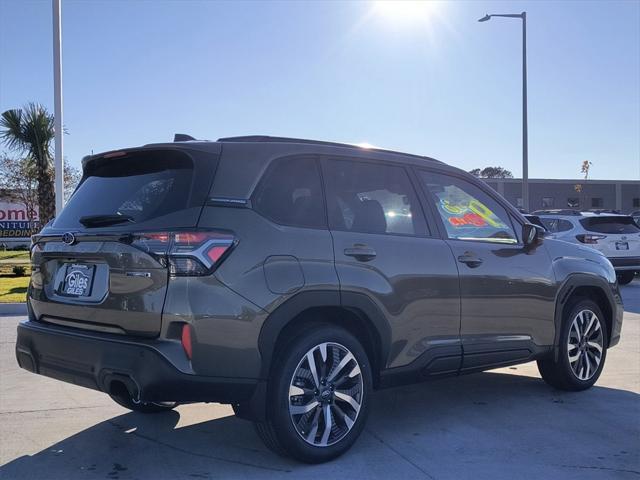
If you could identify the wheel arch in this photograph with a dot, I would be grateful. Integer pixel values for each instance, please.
(581, 285)
(355, 312)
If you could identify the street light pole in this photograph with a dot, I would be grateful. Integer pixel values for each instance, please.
(525, 124)
(57, 106)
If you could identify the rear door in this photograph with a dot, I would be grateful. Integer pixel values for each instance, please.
(385, 250)
(101, 265)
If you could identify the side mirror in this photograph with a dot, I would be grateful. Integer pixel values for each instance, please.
(531, 234)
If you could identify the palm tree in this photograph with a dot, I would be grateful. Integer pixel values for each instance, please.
(30, 130)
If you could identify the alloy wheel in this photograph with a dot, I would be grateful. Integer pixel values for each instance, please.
(325, 394)
(585, 345)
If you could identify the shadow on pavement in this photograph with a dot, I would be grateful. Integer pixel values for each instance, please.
(486, 425)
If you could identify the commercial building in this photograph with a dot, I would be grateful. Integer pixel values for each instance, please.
(622, 195)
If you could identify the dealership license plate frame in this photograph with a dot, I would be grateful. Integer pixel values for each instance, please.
(78, 280)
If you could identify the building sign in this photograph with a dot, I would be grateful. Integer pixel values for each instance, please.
(15, 222)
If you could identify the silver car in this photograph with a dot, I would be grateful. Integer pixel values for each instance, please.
(616, 236)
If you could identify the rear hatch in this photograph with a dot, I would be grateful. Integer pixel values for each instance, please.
(102, 263)
(613, 235)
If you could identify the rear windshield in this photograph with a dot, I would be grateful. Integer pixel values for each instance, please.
(142, 186)
(611, 225)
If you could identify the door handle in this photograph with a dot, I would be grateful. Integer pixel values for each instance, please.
(360, 252)
(470, 259)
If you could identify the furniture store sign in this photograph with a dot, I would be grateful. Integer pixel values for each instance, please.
(15, 221)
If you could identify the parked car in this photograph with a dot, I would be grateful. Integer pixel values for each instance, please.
(290, 278)
(615, 236)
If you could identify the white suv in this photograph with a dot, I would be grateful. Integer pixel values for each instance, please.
(616, 236)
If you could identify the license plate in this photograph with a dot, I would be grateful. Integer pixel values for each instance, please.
(622, 245)
(77, 280)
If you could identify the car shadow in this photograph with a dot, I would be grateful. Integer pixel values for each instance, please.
(437, 429)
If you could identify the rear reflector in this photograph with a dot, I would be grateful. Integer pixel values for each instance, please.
(187, 253)
(186, 340)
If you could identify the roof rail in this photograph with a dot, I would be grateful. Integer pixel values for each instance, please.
(598, 211)
(269, 139)
(558, 211)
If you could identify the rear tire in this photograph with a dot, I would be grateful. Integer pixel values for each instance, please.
(318, 396)
(625, 278)
(582, 350)
(125, 400)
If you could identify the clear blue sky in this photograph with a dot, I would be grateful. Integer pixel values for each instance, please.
(445, 86)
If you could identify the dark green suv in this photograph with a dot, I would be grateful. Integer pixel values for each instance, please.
(290, 278)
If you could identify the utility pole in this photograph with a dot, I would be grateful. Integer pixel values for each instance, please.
(57, 111)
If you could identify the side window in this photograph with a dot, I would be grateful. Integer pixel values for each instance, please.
(564, 225)
(468, 213)
(371, 198)
(290, 193)
(551, 224)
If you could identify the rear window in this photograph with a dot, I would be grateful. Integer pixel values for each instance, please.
(611, 225)
(143, 186)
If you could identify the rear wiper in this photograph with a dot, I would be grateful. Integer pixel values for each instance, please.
(104, 220)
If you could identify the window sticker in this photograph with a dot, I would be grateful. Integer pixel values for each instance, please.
(467, 218)
(463, 210)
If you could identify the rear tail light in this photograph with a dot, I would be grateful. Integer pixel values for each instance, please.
(589, 238)
(187, 253)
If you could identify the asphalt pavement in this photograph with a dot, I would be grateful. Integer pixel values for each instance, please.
(506, 423)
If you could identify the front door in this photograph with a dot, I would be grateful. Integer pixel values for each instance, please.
(507, 289)
(385, 250)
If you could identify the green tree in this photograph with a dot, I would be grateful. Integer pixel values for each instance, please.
(30, 130)
(491, 172)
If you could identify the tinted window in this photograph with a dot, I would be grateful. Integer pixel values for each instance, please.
(556, 225)
(612, 225)
(468, 213)
(551, 224)
(143, 185)
(564, 225)
(371, 198)
(291, 193)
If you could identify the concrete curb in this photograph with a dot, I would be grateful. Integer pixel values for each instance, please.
(13, 308)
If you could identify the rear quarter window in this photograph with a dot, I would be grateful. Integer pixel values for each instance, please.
(290, 193)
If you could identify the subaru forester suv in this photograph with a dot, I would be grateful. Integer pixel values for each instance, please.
(290, 278)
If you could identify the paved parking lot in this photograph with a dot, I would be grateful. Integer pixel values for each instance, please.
(501, 424)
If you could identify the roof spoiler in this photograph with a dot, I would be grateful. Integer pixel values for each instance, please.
(183, 137)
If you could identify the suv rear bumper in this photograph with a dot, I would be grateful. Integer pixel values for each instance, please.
(625, 263)
(97, 360)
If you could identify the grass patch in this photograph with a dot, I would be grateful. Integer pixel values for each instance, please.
(13, 289)
(11, 259)
(14, 256)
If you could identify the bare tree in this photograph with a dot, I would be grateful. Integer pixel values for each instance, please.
(19, 182)
(72, 177)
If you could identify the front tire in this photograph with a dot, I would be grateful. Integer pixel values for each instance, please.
(582, 349)
(318, 396)
(625, 278)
